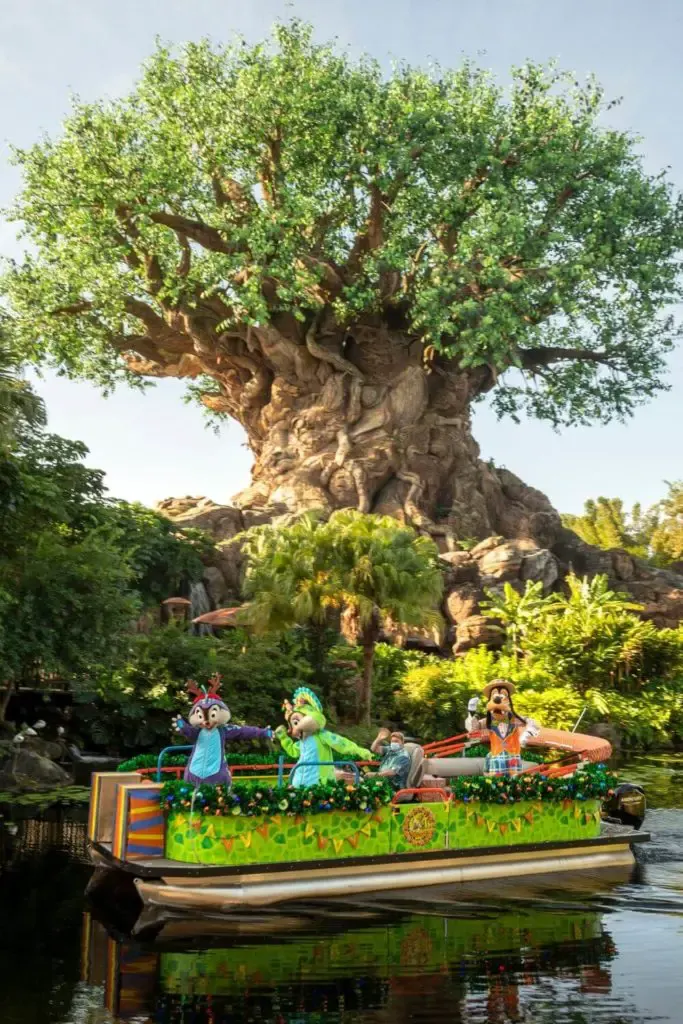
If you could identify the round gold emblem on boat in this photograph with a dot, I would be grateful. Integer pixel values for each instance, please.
(419, 827)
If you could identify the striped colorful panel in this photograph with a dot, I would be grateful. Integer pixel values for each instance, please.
(94, 807)
(146, 826)
(138, 976)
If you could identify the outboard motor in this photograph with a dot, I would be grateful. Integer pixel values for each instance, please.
(626, 806)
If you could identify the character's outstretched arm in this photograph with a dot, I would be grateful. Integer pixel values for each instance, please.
(290, 746)
(190, 732)
(531, 729)
(247, 732)
(347, 748)
(472, 723)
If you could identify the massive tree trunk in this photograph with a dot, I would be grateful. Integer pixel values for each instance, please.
(359, 420)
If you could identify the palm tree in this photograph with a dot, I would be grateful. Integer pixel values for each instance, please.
(369, 567)
(20, 406)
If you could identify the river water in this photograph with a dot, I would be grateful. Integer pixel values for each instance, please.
(603, 949)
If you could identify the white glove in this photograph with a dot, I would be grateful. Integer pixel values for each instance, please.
(530, 731)
(473, 704)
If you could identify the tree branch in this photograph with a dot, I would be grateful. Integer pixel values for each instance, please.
(227, 191)
(531, 358)
(203, 234)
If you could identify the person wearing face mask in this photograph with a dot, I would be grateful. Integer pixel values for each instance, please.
(395, 763)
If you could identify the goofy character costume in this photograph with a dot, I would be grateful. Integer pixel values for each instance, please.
(507, 731)
(307, 739)
(209, 731)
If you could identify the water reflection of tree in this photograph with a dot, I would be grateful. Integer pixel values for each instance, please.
(41, 904)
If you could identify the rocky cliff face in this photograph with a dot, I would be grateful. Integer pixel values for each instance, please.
(491, 563)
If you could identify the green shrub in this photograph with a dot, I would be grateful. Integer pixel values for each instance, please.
(591, 639)
(557, 707)
(129, 710)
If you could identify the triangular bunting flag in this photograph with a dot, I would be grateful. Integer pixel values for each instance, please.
(480, 821)
(577, 811)
(566, 804)
(538, 807)
(529, 816)
(298, 819)
(263, 830)
(365, 830)
(275, 819)
(503, 828)
(337, 843)
(516, 825)
(246, 839)
(469, 812)
(227, 843)
(322, 842)
(197, 825)
(352, 841)
(309, 830)
(491, 826)
(211, 832)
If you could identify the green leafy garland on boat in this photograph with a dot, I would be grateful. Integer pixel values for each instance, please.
(594, 781)
(134, 764)
(588, 783)
(256, 799)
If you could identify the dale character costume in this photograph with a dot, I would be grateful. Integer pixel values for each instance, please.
(310, 742)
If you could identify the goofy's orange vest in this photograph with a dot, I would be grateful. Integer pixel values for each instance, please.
(509, 744)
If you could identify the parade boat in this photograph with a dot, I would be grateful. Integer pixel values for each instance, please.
(216, 849)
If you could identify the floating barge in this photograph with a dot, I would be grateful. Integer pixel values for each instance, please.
(188, 861)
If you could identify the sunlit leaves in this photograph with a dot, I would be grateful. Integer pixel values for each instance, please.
(489, 222)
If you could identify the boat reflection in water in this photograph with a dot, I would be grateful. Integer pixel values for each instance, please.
(472, 955)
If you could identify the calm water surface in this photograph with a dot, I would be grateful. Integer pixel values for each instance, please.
(604, 949)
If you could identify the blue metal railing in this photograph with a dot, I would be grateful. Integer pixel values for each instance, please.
(280, 764)
(167, 750)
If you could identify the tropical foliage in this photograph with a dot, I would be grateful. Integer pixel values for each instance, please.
(654, 533)
(128, 708)
(75, 568)
(20, 406)
(370, 568)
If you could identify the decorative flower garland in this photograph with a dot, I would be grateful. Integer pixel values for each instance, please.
(593, 781)
(250, 800)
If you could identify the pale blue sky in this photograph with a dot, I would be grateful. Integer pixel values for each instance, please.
(152, 445)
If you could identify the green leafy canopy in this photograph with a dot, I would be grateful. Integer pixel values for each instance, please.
(506, 229)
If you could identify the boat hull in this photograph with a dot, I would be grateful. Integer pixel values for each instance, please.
(265, 892)
(165, 884)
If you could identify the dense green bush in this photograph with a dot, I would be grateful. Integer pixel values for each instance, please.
(129, 710)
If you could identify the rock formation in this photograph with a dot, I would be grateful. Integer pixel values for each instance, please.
(545, 551)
